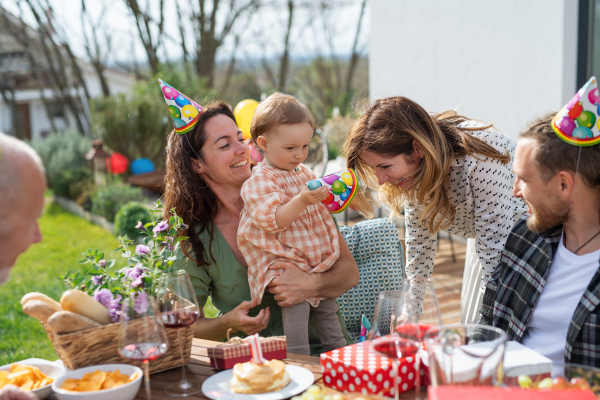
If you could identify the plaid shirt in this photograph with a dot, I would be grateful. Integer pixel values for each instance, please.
(517, 283)
(310, 241)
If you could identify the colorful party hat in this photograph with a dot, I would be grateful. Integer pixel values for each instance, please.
(342, 188)
(184, 111)
(578, 123)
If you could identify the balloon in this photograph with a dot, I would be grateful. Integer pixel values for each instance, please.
(575, 111)
(118, 163)
(347, 178)
(594, 97)
(587, 119)
(583, 133)
(243, 112)
(338, 187)
(141, 165)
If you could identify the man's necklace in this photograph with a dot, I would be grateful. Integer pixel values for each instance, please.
(582, 246)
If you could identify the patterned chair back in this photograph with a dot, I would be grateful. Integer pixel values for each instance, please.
(378, 251)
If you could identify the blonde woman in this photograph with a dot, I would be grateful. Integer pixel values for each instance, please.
(446, 172)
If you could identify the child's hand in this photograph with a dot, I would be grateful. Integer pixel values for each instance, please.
(309, 197)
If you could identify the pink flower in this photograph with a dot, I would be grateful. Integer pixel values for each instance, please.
(102, 263)
(142, 250)
(141, 303)
(162, 226)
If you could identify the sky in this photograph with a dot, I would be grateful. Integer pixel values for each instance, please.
(261, 35)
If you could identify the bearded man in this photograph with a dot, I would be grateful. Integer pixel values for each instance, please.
(545, 293)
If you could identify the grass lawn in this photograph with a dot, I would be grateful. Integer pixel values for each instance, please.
(65, 237)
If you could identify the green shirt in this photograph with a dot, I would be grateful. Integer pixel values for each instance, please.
(225, 280)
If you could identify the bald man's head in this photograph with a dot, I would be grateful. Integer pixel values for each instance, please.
(22, 187)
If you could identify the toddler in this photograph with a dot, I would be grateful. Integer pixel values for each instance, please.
(283, 220)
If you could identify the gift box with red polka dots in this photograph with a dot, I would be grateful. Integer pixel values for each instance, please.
(356, 368)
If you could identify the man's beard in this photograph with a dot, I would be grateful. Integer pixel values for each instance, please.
(544, 217)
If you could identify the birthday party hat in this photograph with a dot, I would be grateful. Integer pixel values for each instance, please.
(578, 123)
(184, 111)
(342, 188)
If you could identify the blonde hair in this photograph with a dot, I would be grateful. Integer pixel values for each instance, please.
(388, 127)
(278, 109)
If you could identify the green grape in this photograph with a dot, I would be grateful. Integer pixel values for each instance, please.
(545, 384)
(524, 381)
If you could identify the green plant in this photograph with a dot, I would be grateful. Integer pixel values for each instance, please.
(336, 130)
(144, 266)
(70, 182)
(61, 151)
(107, 201)
(128, 216)
(136, 124)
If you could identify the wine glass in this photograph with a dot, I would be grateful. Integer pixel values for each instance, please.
(177, 302)
(142, 334)
(384, 337)
(427, 316)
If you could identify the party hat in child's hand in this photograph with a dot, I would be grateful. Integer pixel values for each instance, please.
(342, 188)
(578, 123)
(184, 111)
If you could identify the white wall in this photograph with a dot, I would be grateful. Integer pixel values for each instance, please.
(503, 61)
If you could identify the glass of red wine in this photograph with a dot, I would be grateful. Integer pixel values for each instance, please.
(176, 300)
(142, 334)
(386, 338)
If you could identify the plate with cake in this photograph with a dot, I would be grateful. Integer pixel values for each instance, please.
(258, 379)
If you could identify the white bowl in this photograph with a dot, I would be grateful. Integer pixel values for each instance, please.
(123, 392)
(49, 368)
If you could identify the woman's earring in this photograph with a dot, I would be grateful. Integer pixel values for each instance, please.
(205, 184)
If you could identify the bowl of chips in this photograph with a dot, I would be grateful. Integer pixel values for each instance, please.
(34, 375)
(109, 381)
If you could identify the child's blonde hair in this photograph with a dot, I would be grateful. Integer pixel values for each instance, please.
(278, 109)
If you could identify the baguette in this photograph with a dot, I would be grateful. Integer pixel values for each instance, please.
(42, 297)
(39, 310)
(67, 321)
(81, 303)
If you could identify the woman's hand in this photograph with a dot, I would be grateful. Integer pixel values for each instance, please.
(239, 320)
(292, 285)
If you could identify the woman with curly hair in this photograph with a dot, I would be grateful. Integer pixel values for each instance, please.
(206, 168)
(446, 172)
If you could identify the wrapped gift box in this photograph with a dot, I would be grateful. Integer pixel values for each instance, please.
(492, 393)
(236, 351)
(356, 368)
(520, 360)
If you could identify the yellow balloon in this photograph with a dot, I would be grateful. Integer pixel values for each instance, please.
(243, 112)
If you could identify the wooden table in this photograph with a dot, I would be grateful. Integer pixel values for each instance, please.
(199, 369)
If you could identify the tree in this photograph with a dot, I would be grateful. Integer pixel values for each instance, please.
(151, 38)
(208, 38)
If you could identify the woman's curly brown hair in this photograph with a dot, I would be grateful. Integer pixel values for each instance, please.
(185, 190)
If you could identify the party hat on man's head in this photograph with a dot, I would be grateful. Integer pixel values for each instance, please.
(578, 123)
(184, 111)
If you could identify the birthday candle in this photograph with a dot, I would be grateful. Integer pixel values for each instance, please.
(257, 357)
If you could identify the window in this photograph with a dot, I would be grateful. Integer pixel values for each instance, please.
(588, 48)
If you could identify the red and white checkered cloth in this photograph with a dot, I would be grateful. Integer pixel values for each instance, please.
(310, 241)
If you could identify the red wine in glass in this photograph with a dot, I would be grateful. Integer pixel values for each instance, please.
(179, 319)
(177, 302)
(395, 347)
(144, 351)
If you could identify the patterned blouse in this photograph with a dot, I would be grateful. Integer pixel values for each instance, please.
(481, 192)
(310, 241)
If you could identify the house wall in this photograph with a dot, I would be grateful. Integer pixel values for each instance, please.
(502, 61)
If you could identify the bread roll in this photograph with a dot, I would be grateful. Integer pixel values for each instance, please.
(42, 297)
(39, 309)
(81, 303)
(67, 321)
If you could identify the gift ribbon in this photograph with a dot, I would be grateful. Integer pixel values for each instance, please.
(257, 357)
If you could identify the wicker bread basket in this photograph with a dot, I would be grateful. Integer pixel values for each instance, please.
(100, 346)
